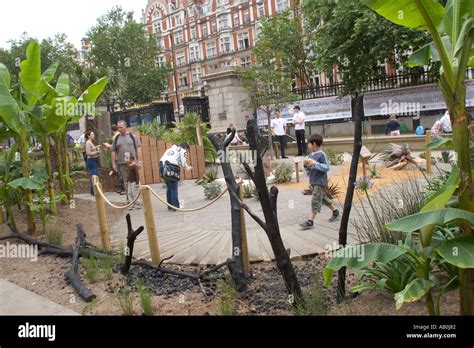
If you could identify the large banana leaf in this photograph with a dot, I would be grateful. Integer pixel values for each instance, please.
(457, 12)
(441, 198)
(49, 73)
(62, 86)
(458, 252)
(407, 13)
(25, 184)
(93, 92)
(30, 73)
(9, 110)
(433, 217)
(415, 290)
(440, 142)
(381, 252)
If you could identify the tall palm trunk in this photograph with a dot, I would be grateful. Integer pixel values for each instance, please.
(47, 157)
(67, 180)
(25, 168)
(460, 121)
(59, 158)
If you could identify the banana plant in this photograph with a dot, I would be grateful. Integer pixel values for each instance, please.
(458, 252)
(16, 104)
(5, 178)
(452, 30)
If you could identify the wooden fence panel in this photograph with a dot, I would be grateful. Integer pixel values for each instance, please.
(153, 150)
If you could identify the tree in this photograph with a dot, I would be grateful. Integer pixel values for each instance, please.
(269, 89)
(452, 31)
(282, 40)
(347, 35)
(126, 52)
(53, 50)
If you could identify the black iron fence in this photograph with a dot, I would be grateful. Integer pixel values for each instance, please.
(379, 83)
(162, 112)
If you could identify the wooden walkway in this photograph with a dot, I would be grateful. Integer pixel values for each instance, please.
(204, 237)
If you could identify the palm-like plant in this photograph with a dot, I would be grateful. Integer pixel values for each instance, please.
(452, 30)
(396, 154)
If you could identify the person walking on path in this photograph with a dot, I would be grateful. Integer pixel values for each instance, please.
(115, 132)
(393, 126)
(317, 166)
(92, 160)
(124, 145)
(299, 122)
(176, 155)
(278, 126)
(133, 183)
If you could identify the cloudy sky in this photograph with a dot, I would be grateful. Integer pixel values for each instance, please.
(45, 18)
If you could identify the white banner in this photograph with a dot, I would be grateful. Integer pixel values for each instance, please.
(321, 109)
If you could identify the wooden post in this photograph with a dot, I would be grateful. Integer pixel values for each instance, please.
(103, 226)
(245, 248)
(150, 225)
(428, 152)
(297, 168)
(198, 133)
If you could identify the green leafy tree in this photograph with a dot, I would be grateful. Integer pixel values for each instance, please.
(282, 41)
(347, 35)
(269, 89)
(452, 30)
(122, 49)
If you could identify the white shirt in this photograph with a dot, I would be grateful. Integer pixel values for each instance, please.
(299, 116)
(278, 125)
(446, 122)
(176, 155)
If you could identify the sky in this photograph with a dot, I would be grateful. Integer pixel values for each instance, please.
(44, 18)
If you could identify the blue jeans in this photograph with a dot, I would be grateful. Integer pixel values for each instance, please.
(171, 189)
(92, 167)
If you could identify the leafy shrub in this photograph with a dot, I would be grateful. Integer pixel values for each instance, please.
(209, 176)
(249, 191)
(283, 173)
(446, 157)
(395, 154)
(332, 190)
(126, 302)
(153, 129)
(90, 268)
(212, 190)
(335, 157)
(145, 298)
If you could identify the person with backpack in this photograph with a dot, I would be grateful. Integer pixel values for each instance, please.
(170, 166)
(124, 145)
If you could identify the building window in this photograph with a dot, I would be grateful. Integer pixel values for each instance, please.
(211, 49)
(222, 2)
(160, 41)
(258, 30)
(246, 16)
(183, 79)
(180, 59)
(282, 5)
(194, 53)
(213, 27)
(205, 33)
(245, 62)
(225, 44)
(236, 19)
(244, 42)
(224, 22)
(177, 20)
(178, 37)
(193, 32)
(196, 72)
(160, 61)
(157, 27)
(261, 10)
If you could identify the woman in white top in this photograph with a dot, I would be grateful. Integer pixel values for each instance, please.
(177, 155)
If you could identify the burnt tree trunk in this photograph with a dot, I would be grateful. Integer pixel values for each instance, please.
(131, 237)
(237, 267)
(268, 201)
(358, 116)
(72, 275)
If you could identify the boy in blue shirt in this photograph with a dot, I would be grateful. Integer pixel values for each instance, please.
(317, 166)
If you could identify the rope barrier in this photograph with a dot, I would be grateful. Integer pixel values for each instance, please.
(186, 210)
(113, 205)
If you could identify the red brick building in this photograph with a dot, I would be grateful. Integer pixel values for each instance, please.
(199, 37)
